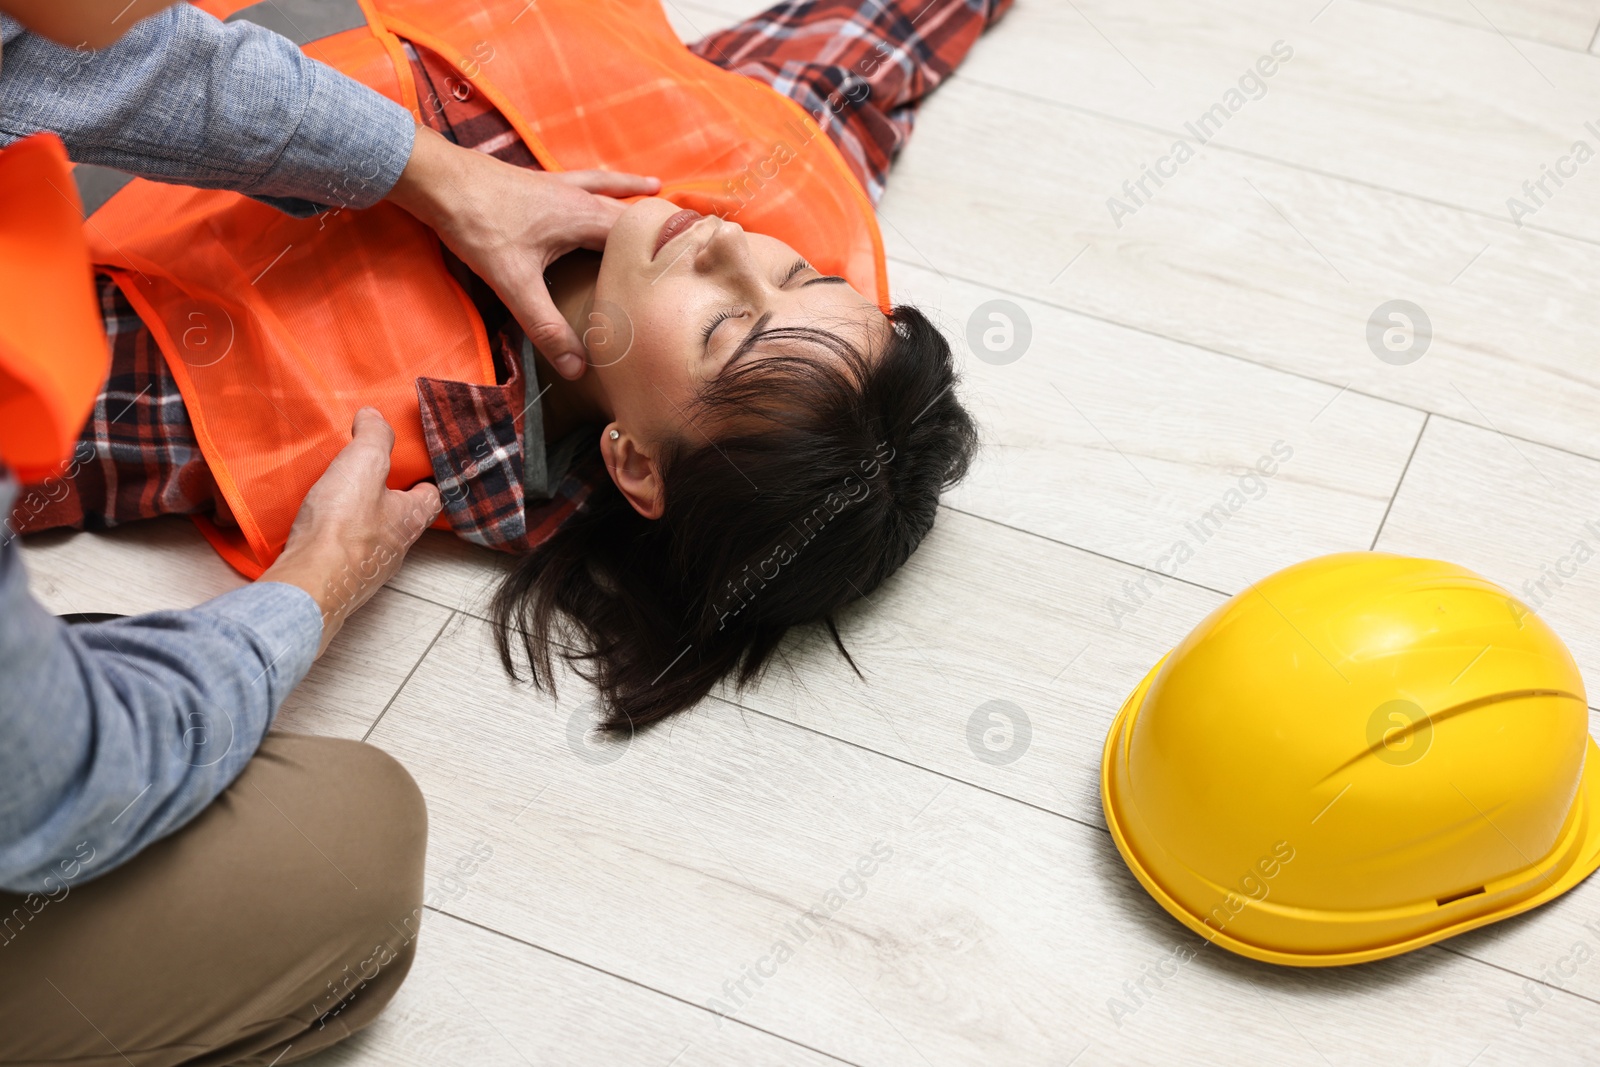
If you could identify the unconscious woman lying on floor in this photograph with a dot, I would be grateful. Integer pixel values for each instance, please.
(756, 442)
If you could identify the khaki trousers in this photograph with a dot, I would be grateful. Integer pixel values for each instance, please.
(278, 922)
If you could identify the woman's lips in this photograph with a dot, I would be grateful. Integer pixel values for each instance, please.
(674, 226)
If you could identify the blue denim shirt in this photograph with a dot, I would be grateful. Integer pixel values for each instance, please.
(114, 735)
(184, 98)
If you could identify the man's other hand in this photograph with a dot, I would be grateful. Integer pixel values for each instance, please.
(353, 531)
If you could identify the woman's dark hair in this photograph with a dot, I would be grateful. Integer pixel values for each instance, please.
(819, 478)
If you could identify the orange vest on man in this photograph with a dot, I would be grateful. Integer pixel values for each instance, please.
(277, 329)
(53, 356)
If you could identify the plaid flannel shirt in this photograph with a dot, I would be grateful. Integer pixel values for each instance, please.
(860, 67)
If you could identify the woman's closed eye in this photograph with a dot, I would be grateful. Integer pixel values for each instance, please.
(716, 320)
(795, 269)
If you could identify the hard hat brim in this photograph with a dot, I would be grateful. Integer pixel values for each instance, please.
(1585, 822)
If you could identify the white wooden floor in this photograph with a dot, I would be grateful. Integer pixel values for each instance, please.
(625, 886)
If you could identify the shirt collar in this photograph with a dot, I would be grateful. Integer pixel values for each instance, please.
(501, 486)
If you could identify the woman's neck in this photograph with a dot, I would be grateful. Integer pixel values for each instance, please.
(569, 405)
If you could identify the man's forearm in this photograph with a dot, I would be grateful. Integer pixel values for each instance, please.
(184, 98)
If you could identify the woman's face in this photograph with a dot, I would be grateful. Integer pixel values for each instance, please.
(678, 295)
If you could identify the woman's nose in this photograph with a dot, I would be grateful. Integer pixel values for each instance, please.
(722, 241)
(727, 252)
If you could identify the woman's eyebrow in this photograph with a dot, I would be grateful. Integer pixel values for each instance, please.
(755, 331)
(749, 341)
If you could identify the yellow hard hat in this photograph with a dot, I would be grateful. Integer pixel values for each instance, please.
(1355, 757)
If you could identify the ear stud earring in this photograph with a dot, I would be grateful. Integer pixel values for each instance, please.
(615, 434)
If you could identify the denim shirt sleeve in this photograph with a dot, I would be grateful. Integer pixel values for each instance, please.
(184, 98)
(114, 735)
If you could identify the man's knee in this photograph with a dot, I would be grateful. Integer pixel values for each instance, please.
(310, 867)
(398, 816)
(366, 935)
(390, 793)
(384, 834)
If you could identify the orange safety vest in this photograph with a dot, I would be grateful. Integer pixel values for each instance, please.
(277, 329)
(53, 355)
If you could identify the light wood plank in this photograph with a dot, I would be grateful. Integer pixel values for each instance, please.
(987, 931)
(165, 563)
(1165, 456)
(1372, 92)
(475, 999)
(1564, 23)
(348, 688)
(1269, 263)
(159, 563)
(443, 568)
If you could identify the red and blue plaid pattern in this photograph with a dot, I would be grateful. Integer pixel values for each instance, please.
(474, 435)
(859, 67)
(137, 456)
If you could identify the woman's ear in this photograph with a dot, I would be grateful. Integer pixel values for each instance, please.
(634, 471)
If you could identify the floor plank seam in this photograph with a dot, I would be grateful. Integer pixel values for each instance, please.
(909, 763)
(1458, 420)
(1399, 482)
(1464, 954)
(425, 600)
(1490, 29)
(635, 983)
(1079, 548)
(1148, 332)
(401, 687)
(1301, 375)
